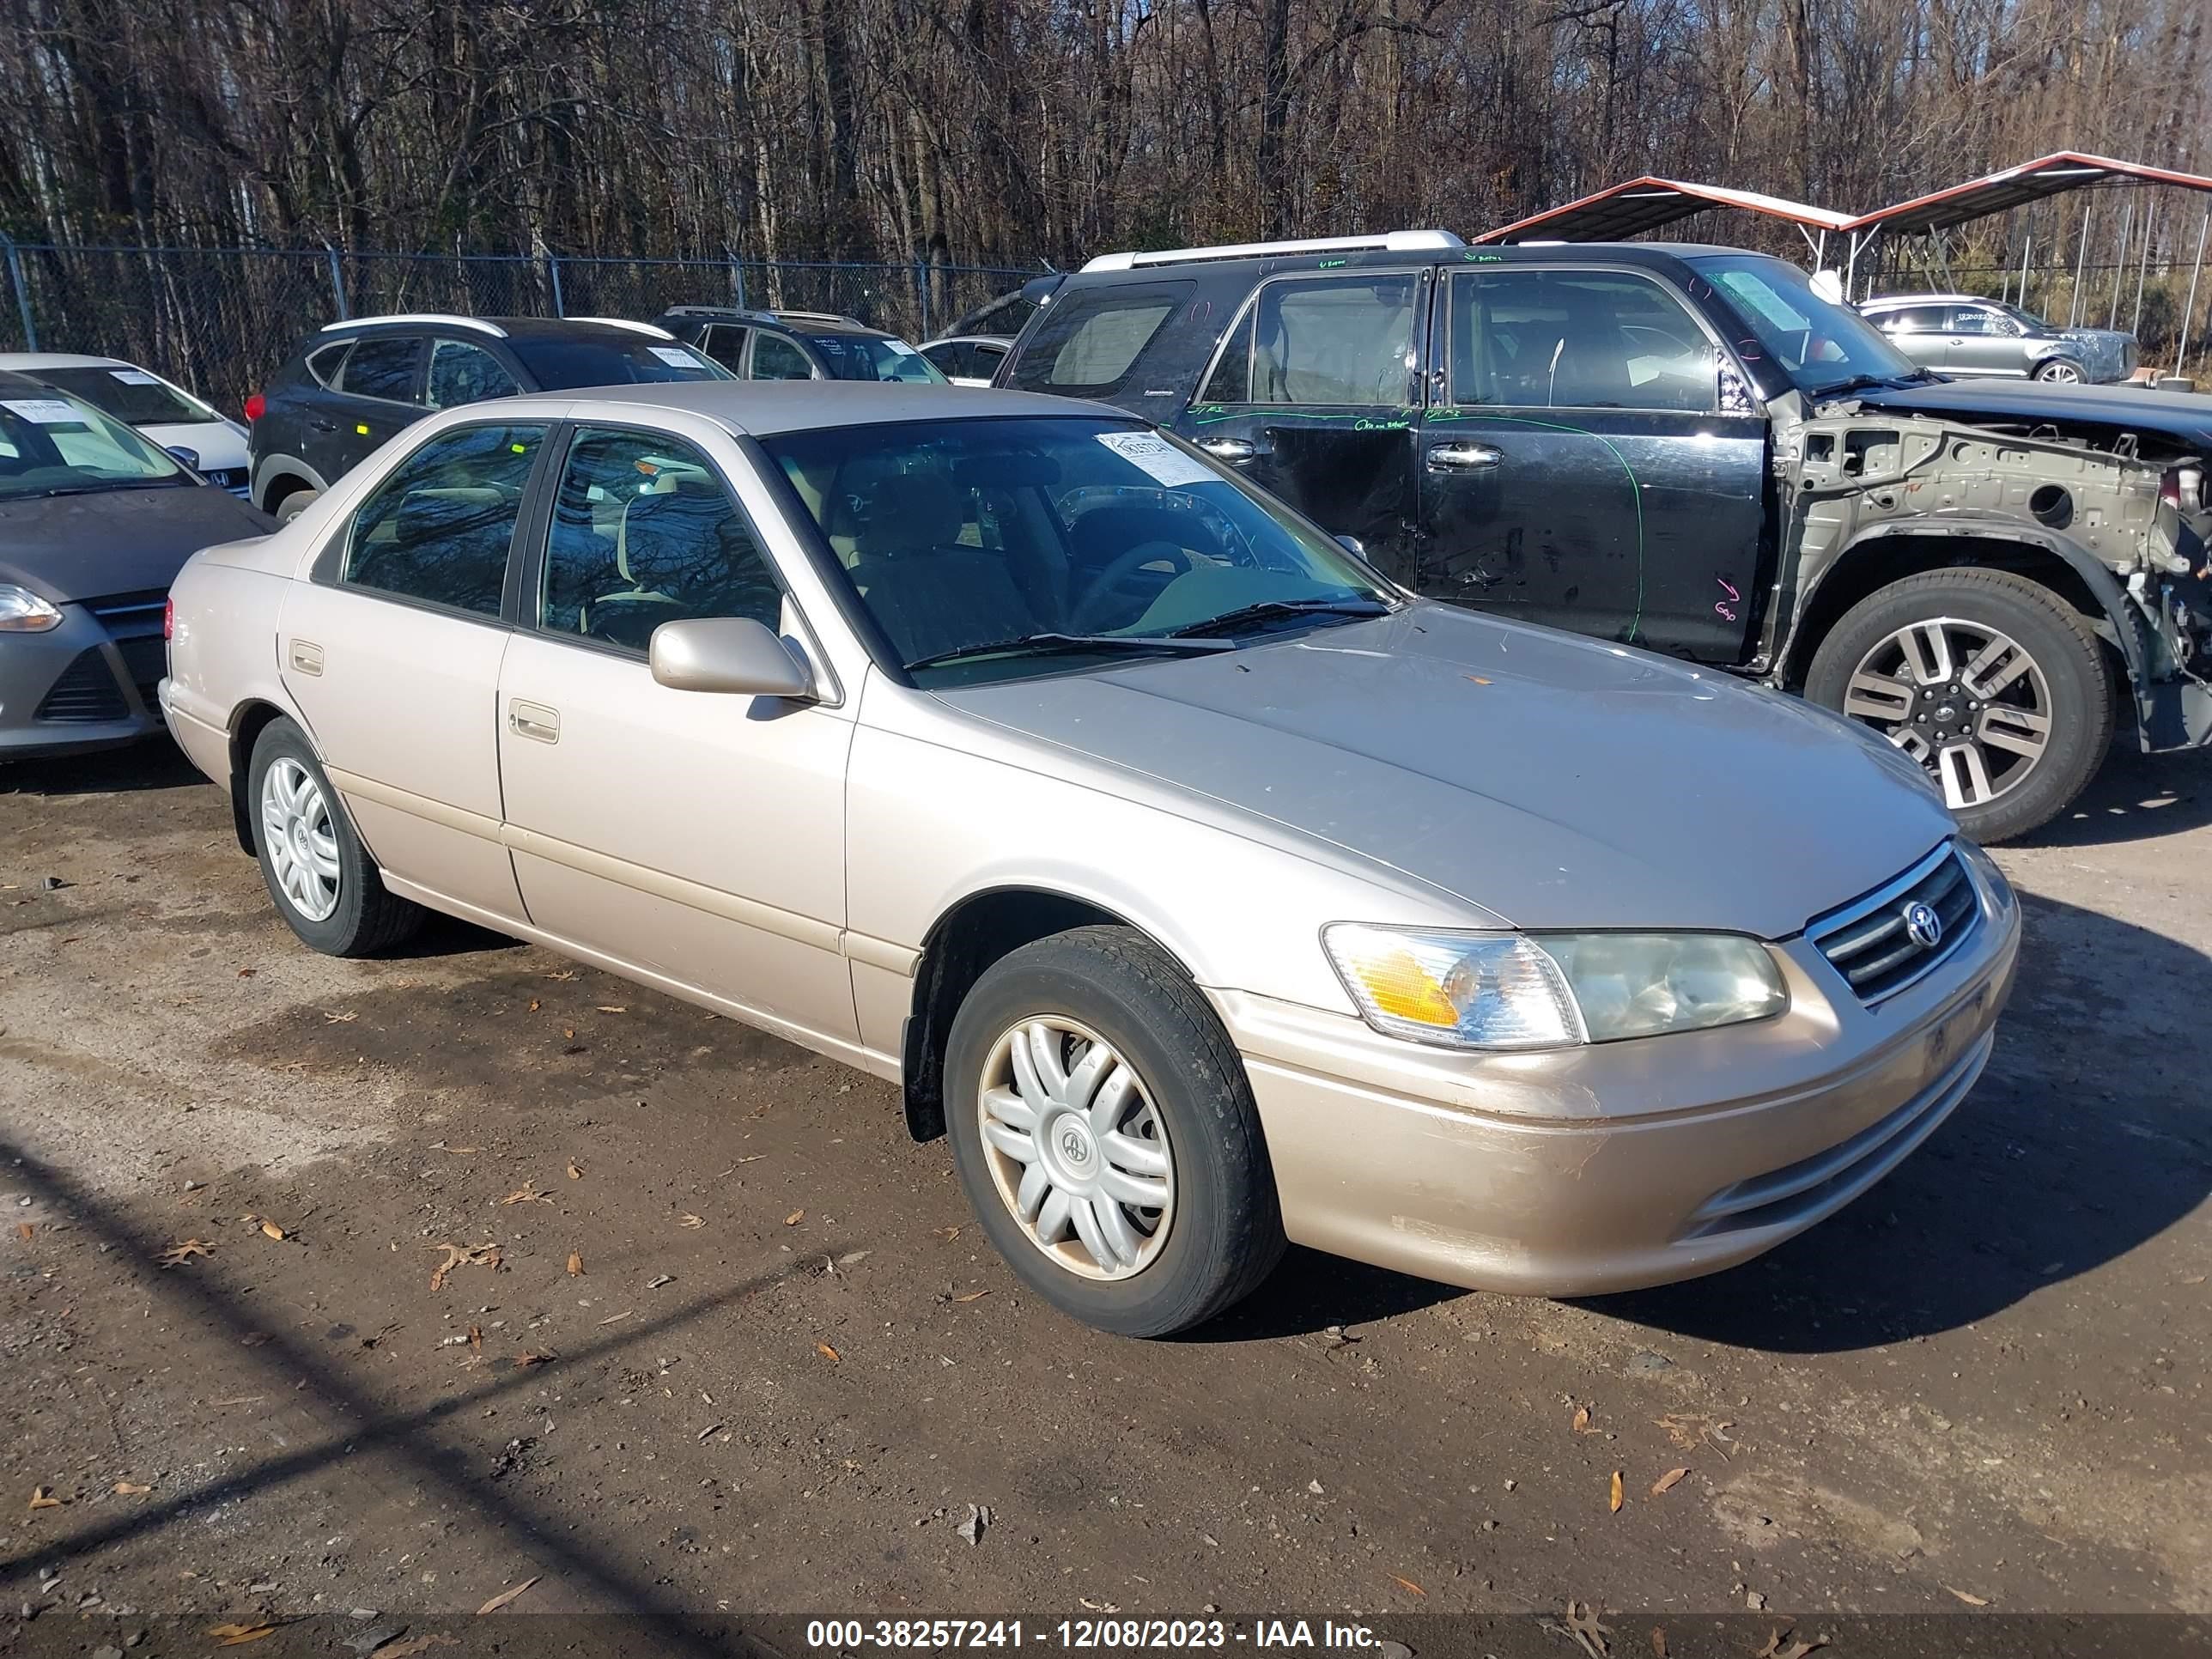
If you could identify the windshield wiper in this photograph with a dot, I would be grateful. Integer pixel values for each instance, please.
(1863, 383)
(1229, 621)
(1038, 644)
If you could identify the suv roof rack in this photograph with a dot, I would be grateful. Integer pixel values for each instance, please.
(623, 322)
(477, 322)
(711, 311)
(1390, 241)
(816, 316)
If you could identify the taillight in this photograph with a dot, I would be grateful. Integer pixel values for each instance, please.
(169, 618)
(256, 406)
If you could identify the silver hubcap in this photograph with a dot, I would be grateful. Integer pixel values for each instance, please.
(1075, 1148)
(302, 844)
(1964, 699)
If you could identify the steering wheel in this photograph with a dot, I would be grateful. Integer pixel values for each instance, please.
(1103, 585)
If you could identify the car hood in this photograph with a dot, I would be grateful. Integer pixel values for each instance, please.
(1553, 780)
(2186, 416)
(116, 541)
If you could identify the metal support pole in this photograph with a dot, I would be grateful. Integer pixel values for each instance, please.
(2120, 265)
(2025, 248)
(22, 293)
(553, 271)
(2188, 310)
(2081, 265)
(337, 283)
(2143, 269)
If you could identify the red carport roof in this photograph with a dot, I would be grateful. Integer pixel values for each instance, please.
(2031, 181)
(1644, 204)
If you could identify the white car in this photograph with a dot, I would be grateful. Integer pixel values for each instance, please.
(208, 441)
(967, 359)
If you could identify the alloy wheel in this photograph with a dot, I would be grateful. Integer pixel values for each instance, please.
(302, 842)
(2059, 374)
(1076, 1149)
(1963, 699)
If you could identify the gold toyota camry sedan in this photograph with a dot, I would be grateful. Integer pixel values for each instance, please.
(1206, 889)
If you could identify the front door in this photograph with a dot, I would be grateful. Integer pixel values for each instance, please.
(392, 651)
(1921, 332)
(697, 837)
(1983, 341)
(1577, 468)
(1312, 397)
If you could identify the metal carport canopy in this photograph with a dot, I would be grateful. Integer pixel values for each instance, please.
(1644, 204)
(2031, 181)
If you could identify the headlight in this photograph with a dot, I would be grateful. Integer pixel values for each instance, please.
(1994, 885)
(22, 611)
(1551, 990)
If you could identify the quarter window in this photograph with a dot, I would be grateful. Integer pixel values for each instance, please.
(1566, 339)
(644, 533)
(1337, 342)
(465, 373)
(775, 358)
(1086, 344)
(383, 366)
(438, 528)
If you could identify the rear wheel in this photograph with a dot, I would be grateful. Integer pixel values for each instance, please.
(325, 883)
(1990, 680)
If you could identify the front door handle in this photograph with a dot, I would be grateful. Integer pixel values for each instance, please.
(1462, 457)
(1232, 450)
(321, 425)
(534, 720)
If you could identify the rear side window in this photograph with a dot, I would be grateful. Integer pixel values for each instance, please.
(1087, 343)
(383, 366)
(1337, 341)
(465, 373)
(438, 528)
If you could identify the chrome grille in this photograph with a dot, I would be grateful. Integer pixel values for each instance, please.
(1872, 941)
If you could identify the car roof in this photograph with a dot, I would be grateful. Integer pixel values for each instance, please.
(1200, 262)
(28, 362)
(513, 328)
(791, 322)
(1931, 299)
(764, 408)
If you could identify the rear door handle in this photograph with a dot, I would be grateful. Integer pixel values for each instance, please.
(1462, 457)
(306, 656)
(1232, 450)
(534, 720)
(321, 425)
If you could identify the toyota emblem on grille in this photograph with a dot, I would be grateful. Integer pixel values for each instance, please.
(1922, 925)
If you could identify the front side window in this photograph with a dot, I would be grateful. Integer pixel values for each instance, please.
(874, 357)
(644, 533)
(465, 373)
(131, 395)
(979, 546)
(1336, 341)
(1822, 346)
(1982, 319)
(623, 359)
(384, 366)
(52, 444)
(438, 529)
(1910, 320)
(1577, 339)
(1087, 344)
(775, 358)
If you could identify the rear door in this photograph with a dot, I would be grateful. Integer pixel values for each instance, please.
(1580, 470)
(1311, 396)
(378, 392)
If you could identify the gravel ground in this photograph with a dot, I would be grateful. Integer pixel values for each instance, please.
(742, 1349)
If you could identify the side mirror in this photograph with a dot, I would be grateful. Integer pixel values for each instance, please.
(1353, 546)
(734, 655)
(190, 458)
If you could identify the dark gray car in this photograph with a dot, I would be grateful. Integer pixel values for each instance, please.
(1963, 334)
(94, 522)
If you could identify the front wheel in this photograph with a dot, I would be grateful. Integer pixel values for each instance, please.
(2059, 372)
(1990, 681)
(1104, 1131)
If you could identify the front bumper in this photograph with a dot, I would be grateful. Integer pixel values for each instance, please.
(79, 686)
(1581, 1171)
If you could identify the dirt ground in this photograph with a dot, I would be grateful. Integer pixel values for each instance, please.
(742, 1349)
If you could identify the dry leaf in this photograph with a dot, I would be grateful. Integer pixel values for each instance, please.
(972, 1296)
(610, 1008)
(533, 1005)
(273, 1230)
(1970, 1601)
(526, 1194)
(690, 1220)
(247, 973)
(178, 1253)
(131, 1488)
(524, 1361)
(828, 1352)
(1668, 1482)
(948, 1234)
(505, 1596)
(1584, 1626)
(412, 1646)
(229, 1636)
(1582, 1423)
(339, 1019)
(25, 1230)
(575, 1171)
(1407, 1584)
(576, 1265)
(1614, 1502)
(475, 1255)
(42, 1498)
(569, 1032)
(794, 1218)
(1658, 1642)
(564, 974)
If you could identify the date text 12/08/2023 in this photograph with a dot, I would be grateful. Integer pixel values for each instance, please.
(1090, 1634)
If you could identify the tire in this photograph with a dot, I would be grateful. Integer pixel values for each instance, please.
(1187, 1109)
(2067, 681)
(2062, 369)
(363, 917)
(294, 504)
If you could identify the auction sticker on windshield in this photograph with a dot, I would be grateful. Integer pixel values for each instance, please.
(134, 377)
(675, 356)
(43, 412)
(1160, 460)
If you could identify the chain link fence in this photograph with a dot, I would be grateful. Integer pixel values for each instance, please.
(221, 321)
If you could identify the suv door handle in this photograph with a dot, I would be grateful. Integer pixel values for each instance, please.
(1232, 450)
(1462, 457)
(534, 720)
(319, 424)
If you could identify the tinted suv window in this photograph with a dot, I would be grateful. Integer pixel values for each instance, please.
(1087, 343)
(725, 343)
(465, 373)
(643, 533)
(382, 366)
(1335, 341)
(322, 361)
(1577, 338)
(438, 528)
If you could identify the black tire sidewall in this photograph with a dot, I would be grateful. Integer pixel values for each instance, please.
(1225, 1231)
(2072, 665)
(341, 933)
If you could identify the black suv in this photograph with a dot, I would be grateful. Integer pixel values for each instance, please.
(797, 346)
(1689, 449)
(355, 384)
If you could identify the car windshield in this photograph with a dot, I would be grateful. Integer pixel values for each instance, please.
(873, 357)
(130, 394)
(52, 444)
(989, 549)
(1820, 345)
(559, 365)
